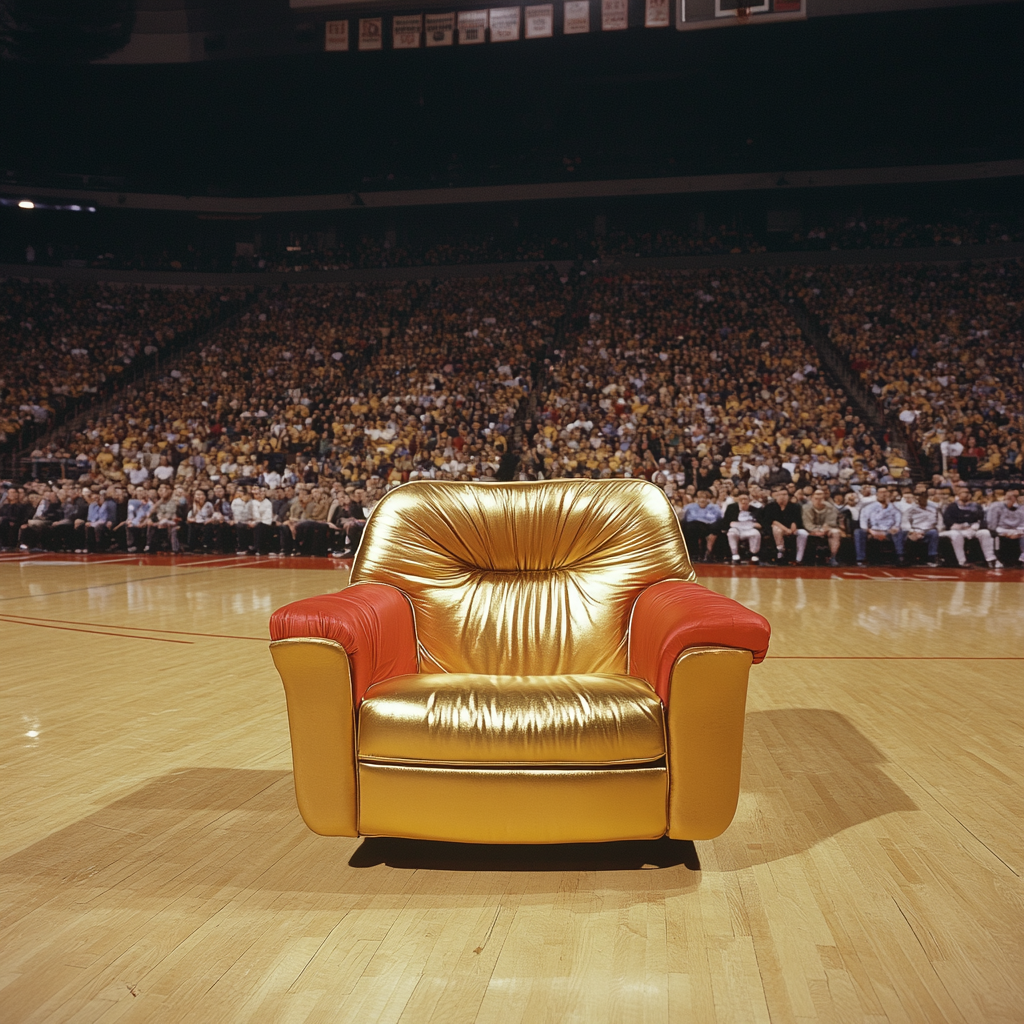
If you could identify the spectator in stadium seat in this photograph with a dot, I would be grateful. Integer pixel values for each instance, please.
(784, 518)
(880, 520)
(262, 521)
(311, 529)
(701, 527)
(15, 511)
(821, 520)
(921, 519)
(242, 516)
(1005, 521)
(218, 533)
(74, 509)
(34, 533)
(100, 520)
(742, 522)
(963, 520)
(163, 518)
(197, 519)
(139, 507)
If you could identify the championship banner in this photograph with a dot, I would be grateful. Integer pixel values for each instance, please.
(576, 17)
(614, 15)
(504, 24)
(371, 34)
(336, 35)
(540, 21)
(472, 27)
(656, 14)
(440, 29)
(406, 30)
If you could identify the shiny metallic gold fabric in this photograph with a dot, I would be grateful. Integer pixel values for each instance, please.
(521, 805)
(705, 739)
(318, 687)
(523, 578)
(461, 719)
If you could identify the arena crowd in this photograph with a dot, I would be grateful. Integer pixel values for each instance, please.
(60, 342)
(280, 434)
(942, 347)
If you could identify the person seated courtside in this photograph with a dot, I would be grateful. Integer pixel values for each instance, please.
(821, 521)
(743, 523)
(784, 518)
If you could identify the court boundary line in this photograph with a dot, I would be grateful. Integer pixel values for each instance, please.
(137, 629)
(94, 632)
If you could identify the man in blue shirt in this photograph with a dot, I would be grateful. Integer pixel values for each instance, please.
(99, 520)
(701, 525)
(138, 511)
(879, 520)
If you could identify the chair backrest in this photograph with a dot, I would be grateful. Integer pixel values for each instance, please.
(525, 578)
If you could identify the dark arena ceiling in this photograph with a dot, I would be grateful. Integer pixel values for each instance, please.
(236, 99)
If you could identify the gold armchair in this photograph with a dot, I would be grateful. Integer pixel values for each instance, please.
(519, 663)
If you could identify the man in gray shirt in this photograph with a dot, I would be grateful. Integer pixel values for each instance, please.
(1006, 520)
(921, 522)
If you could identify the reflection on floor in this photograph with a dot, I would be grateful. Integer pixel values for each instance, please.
(153, 866)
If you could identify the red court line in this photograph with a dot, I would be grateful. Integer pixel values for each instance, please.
(141, 629)
(95, 632)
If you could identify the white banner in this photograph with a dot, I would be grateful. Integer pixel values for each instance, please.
(656, 14)
(371, 34)
(406, 30)
(540, 21)
(576, 17)
(336, 35)
(504, 24)
(472, 27)
(614, 15)
(440, 29)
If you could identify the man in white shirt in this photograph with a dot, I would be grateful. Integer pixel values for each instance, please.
(164, 472)
(262, 521)
(139, 474)
(242, 513)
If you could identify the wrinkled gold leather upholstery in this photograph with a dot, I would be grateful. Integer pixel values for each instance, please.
(521, 579)
(522, 723)
(465, 719)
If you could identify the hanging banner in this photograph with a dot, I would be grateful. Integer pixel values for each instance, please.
(656, 14)
(472, 27)
(440, 29)
(540, 21)
(371, 34)
(336, 35)
(614, 15)
(576, 17)
(504, 24)
(406, 30)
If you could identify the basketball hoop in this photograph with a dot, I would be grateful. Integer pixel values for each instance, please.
(743, 13)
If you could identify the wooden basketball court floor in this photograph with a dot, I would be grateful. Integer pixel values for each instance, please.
(153, 866)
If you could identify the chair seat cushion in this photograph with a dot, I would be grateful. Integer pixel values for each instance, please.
(468, 719)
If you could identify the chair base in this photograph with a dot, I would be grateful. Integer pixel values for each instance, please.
(481, 805)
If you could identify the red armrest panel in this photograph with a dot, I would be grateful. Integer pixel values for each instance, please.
(671, 616)
(371, 621)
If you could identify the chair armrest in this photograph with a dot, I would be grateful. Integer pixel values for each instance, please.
(695, 648)
(671, 616)
(328, 650)
(373, 622)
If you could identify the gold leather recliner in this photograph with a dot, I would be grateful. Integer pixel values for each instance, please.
(519, 663)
